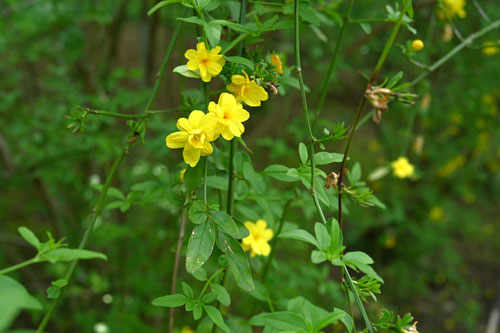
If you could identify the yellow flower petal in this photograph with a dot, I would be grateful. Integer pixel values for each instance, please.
(191, 155)
(177, 140)
(191, 54)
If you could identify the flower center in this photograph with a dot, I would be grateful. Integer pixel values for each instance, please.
(204, 61)
(197, 138)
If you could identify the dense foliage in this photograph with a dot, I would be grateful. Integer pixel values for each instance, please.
(191, 154)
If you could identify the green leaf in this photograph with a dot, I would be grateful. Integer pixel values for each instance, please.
(116, 193)
(368, 270)
(301, 235)
(285, 320)
(217, 182)
(242, 61)
(335, 234)
(224, 222)
(303, 153)
(213, 33)
(60, 283)
(197, 311)
(394, 80)
(358, 256)
(216, 317)
(184, 71)
(208, 298)
(366, 27)
(324, 157)
(279, 172)
(161, 4)
(53, 292)
(13, 298)
(72, 254)
(222, 294)
(170, 301)
(200, 274)
(29, 236)
(238, 261)
(317, 257)
(198, 212)
(200, 246)
(188, 291)
(324, 239)
(331, 318)
(355, 173)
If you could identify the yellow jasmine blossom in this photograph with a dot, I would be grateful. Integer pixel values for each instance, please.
(187, 329)
(195, 134)
(229, 115)
(256, 242)
(247, 91)
(417, 45)
(276, 61)
(208, 62)
(436, 214)
(402, 168)
(413, 328)
(453, 8)
(490, 48)
(181, 176)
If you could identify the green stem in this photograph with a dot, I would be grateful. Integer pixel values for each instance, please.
(88, 231)
(163, 67)
(100, 203)
(20, 265)
(331, 68)
(205, 176)
(231, 176)
(208, 282)
(466, 42)
(235, 41)
(128, 116)
(373, 20)
(376, 71)
(349, 305)
(306, 111)
(358, 300)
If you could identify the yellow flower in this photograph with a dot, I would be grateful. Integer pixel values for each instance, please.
(194, 136)
(229, 115)
(181, 176)
(208, 62)
(258, 238)
(436, 214)
(276, 61)
(490, 48)
(402, 168)
(247, 91)
(187, 329)
(453, 8)
(417, 45)
(451, 166)
(413, 328)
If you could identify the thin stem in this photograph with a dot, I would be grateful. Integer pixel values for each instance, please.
(376, 71)
(234, 42)
(467, 41)
(100, 203)
(275, 241)
(358, 300)
(180, 238)
(231, 177)
(372, 20)
(349, 305)
(116, 114)
(205, 178)
(163, 67)
(306, 111)
(481, 11)
(208, 282)
(19, 266)
(333, 62)
(95, 214)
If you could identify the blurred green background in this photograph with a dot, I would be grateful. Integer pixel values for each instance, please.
(436, 244)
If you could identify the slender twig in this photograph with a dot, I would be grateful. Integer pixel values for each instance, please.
(306, 111)
(376, 71)
(128, 116)
(455, 50)
(481, 11)
(95, 214)
(331, 68)
(100, 203)
(358, 299)
(19, 266)
(176, 266)
(234, 42)
(349, 305)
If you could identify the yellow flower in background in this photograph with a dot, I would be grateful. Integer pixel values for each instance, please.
(453, 8)
(195, 134)
(436, 214)
(417, 45)
(490, 48)
(181, 175)
(276, 61)
(187, 329)
(208, 62)
(229, 116)
(256, 242)
(451, 166)
(247, 91)
(402, 168)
